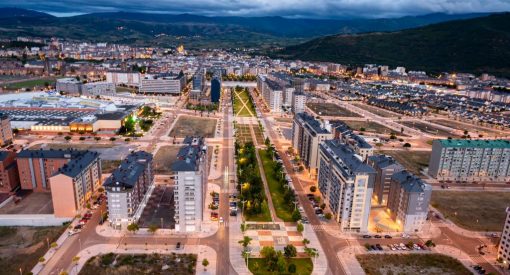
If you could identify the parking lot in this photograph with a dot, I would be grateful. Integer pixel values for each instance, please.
(160, 208)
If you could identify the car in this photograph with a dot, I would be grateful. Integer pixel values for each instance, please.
(477, 267)
(318, 211)
(178, 246)
(387, 237)
(379, 247)
(78, 226)
(233, 213)
(73, 232)
(221, 219)
(367, 236)
(377, 236)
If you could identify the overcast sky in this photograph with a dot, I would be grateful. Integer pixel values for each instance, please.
(287, 8)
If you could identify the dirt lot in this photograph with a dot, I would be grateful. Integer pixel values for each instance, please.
(376, 110)
(413, 161)
(330, 109)
(428, 128)
(63, 146)
(473, 130)
(479, 211)
(194, 126)
(21, 247)
(140, 264)
(160, 208)
(31, 203)
(370, 126)
(383, 264)
(164, 159)
(109, 166)
(243, 133)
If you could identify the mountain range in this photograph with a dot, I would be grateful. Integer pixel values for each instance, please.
(470, 45)
(198, 31)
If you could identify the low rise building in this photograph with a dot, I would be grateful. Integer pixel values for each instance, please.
(504, 244)
(190, 174)
(470, 160)
(123, 78)
(9, 177)
(128, 189)
(74, 183)
(5, 129)
(346, 184)
(307, 134)
(385, 167)
(408, 201)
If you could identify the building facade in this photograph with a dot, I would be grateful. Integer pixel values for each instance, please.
(9, 177)
(215, 89)
(125, 78)
(385, 167)
(271, 92)
(190, 174)
(470, 160)
(75, 183)
(5, 129)
(346, 184)
(298, 102)
(163, 84)
(307, 134)
(408, 201)
(128, 189)
(504, 244)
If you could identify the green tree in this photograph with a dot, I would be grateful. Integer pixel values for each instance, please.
(306, 242)
(133, 227)
(313, 188)
(205, 263)
(300, 227)
(290, 251)
(328, 216)
(153, 228)
(281, 263)
(407, 145)
(245, 241)
(112, 139)
(292, 268)
(97, 138)
(296, 216)
(68, 138)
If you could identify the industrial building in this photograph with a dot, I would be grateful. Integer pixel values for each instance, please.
(164, 84)
(5, 129)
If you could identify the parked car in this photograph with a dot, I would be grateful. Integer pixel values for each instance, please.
(178, 246)
(367, 236)
(387, 237)
(377, 236)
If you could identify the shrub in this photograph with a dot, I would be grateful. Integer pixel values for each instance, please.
(328, 216)
(292, 268)
(313, 188)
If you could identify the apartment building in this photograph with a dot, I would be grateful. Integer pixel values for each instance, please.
(504, 244)
(9, 177)
(385, 167)
(101, 88)
(344, 133)
(124, 78)
(36, 167)
(74, 183)
(408, 201)
(298, 102)
(346, 184)
(164, 84)
(129, 188)
(272, 93)
(470, 160)
(307, 134)
(5, 129)
(190, 174)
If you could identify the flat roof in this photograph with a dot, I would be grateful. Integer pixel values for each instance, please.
(467, 143)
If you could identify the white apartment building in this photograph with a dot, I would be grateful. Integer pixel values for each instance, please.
(470, 160)
(272, 93)
(298, 102)
(307, 134)
(190, 174)
(102, 88)
(346, 184)
(504, 244)
(129, 188)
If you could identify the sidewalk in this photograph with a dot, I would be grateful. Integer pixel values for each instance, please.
(209, 228)
(235, 249)
(321, 263)
(350, 264)
(201, 250)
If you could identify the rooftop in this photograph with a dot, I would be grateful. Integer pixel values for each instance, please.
(466, 143)
(345, 157)
(77, 164)
(410, 182)
(312, 123)
(189, 156)
(130, 169)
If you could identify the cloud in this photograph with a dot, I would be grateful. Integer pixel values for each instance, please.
(289, 8)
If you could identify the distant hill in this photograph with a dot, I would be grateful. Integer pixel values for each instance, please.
(472, 45)
(197, 31)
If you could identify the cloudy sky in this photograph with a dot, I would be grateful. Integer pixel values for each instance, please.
(288, 8)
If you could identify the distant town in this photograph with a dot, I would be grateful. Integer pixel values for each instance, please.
(117, 158)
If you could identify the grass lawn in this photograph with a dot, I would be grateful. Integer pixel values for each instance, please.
(140, 264)
(382, 264)
(473, 130)
(370, 126)
(330, 109)
(243, 133)
(486, 207)
(265, 216)
(21, 247)
(282, 211)
(165, 157)
(303, 266)
(413, 161)
(31, 83)
(241, 97)
(194, 126)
